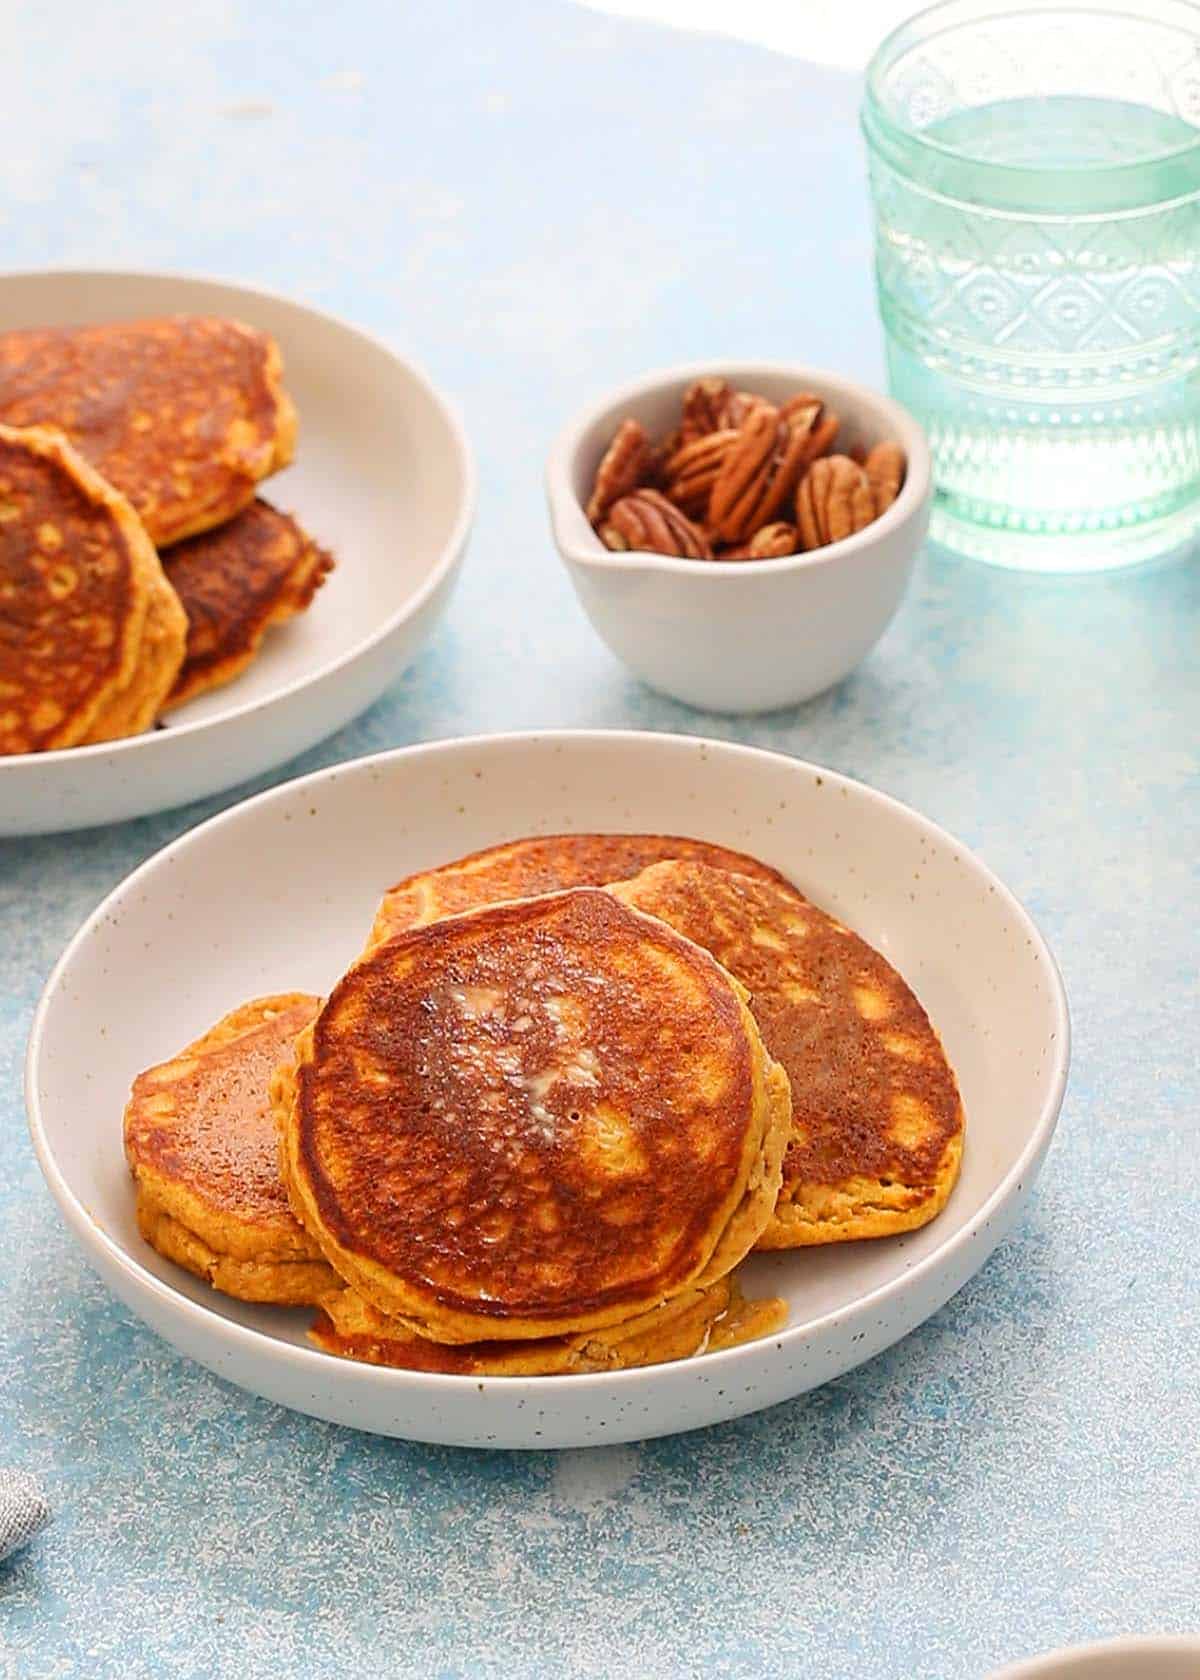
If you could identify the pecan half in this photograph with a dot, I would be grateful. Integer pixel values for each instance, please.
(758, 475)
(834, 501)
(647, 523)
(818, 423)
(712, 405)
(660, 455)
(771, 543)
(690, 473)
(884, 467)
(624, 467)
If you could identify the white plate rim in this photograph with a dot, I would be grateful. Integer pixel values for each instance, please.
(308, 1360)
(1064, 1659)
(446, 561)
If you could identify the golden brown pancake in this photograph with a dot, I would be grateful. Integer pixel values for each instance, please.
(184, 414)
(235, 582)
(160, 654)
(544, 1117)
(278, 1283)
(877, 1122)
(541, 864)
(348, 1325)
(202, 1146)
(78, 575)
(692, 1322)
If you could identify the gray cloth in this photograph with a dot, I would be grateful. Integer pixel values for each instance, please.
(23, 1511)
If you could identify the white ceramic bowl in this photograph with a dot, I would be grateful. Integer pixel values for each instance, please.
(277, 894)
(751, 636)
(383, 476)
(1162, 1658)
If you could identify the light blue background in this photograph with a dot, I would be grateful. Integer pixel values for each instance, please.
(538, 202)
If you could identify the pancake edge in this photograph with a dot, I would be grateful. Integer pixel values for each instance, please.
(134, 708)
(862, 1208)
(277, 1283)
(381, 932)
(675, 1329)
(50, 444)
(223, 1232)
(310, 572)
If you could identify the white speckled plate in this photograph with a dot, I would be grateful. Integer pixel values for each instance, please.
(1163, 1658)
(277, 894)
(383, 476)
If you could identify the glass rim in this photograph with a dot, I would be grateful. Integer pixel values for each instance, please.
(876, 114)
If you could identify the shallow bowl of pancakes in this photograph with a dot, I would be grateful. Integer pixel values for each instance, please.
(547, 1090)
(227, 523)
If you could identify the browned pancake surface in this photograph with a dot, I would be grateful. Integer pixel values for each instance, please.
(183, 414)
(72, 594)
(536, 1112)
(200, 1136)
(257, 570)
(873, 1097)
(542, 864)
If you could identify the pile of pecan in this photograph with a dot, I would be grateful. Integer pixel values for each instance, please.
(739, 479)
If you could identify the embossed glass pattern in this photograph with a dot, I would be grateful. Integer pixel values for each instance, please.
(1036, 178)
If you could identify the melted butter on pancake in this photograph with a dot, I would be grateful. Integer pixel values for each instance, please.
(527, 1156)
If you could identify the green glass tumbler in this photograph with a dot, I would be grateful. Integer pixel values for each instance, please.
(1035, 171)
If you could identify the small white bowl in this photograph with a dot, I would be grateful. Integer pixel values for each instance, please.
(1162, 1658)
(741, 636)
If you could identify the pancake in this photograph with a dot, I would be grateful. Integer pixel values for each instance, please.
(540, 1118)
(235, 582)
(184, 414)
(877, 1123)
(692, 1322)
(278, 1283)
(202, 1146)
(160, 654)
(348, 1325)
(541, 864)
(77, 576)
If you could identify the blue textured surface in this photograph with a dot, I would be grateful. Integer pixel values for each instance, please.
(537, 203)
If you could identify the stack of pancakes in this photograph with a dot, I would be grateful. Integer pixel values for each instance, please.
(569, 1085)
(137, 567)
